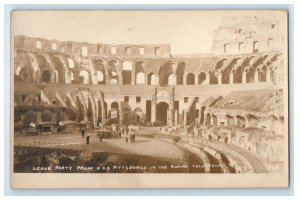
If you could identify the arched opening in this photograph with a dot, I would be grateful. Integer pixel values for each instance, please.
(241, 121)
(172, 79)
(56, 76)
(114, 112)
(72, 78)
(127, 72)
(190, 79)
(162, 112)
(237, 75)
(90, 112)
(138, 113)
(213, 78)
(42, 62)
(164, 73)
(46, 116)
(23, 68)
(100, 77)
(273, 118)
(21, 73)
(201, 78)
(281, 119)
(113, 81)
(140, 73)
(113, 72)
(230, 120)
(59, 67)
(215, 120)
(208, 119)
(105, 110)
(151, 79)
(84, 77)
(46, 76)
(249, 75)
(100, 72)
(18, 69)
(273, 76)
(140, 78)
(30, 117)
(179, 73)
(202, 115)
(81, 111)
(262, 74)
(99, 112)
(252, 120)
(71, 63)
(31, 101)
(226, 68)
(126, 115)
(61, 115)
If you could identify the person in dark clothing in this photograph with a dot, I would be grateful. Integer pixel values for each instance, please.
(82, 131)
(131, 137)
(88, 140)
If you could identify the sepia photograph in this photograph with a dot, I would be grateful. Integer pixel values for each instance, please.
(149, 99)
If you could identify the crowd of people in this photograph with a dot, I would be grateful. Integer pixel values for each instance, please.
(105, 133)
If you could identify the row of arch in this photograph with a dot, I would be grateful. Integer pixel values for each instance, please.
(58, 69)
(249, 120)
(99, 111)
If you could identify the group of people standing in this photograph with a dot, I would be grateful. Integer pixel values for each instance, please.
(109, 134)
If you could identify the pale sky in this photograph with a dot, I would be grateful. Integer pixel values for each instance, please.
(187, 32)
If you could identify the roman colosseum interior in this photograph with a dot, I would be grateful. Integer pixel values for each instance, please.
(234, 93)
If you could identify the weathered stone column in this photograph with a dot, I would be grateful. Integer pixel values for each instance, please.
(133, 76)
(120, 113)
(211, 120)
(175, 77)
(255, 76)
(38, 117)
(225, 121)
(220, 78)
(218, 121)
(231, 78)
(204, 116)
(53, 117)
(97, 112)
(153, 109)
(184, 117)
(85, 114)
(103, 115)
(268, 75)
(184, 79)
(175, 117)
(120, 77)
(146, 79)
(95, 119)
(107, 79)
(244, 77)
(246, 122)
(153, 106)
(235, 120)
(208, 79)
(171, 105)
